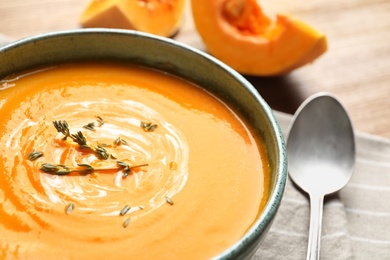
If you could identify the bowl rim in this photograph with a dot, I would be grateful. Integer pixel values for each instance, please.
(265, 219)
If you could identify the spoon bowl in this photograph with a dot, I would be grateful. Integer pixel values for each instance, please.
(321, 155)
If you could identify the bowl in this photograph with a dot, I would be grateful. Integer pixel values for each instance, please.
(183, 61)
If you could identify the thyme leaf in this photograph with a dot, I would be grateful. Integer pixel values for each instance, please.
(100, 121)
(169, 200)
(33, 155)
(122, 164)
(105, 145)
(86, 168)
(90, 126)
(102, 153)
(120, 141)
(69, 208)
(125, 210)
(124, 142)
(126, 223)
(148, 126)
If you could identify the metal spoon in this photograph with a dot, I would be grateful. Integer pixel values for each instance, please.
(321, 156)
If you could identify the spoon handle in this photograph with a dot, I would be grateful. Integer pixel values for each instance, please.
(314, 244)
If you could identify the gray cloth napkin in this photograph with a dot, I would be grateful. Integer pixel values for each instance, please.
(356, 223)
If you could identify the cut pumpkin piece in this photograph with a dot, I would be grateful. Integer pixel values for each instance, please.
(153, 16)
(239, 34)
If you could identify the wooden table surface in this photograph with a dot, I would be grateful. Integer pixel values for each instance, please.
(356, 67)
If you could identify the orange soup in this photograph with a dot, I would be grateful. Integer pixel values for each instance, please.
(113, 161)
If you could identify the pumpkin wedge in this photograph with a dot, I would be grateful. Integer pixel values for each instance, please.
(238, 33)
(153, 16)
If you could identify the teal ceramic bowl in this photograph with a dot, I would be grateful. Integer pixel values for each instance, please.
(183, 61)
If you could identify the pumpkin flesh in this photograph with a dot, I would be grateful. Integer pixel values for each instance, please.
(157, 17)
(238, 33)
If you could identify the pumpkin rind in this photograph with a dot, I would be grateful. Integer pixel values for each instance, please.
(157, 17)
(260, 47)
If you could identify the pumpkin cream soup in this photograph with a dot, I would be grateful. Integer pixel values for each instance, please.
(113, 161)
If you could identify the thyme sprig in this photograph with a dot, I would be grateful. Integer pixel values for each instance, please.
(63, 127)
(61, 169)
(79, 138)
